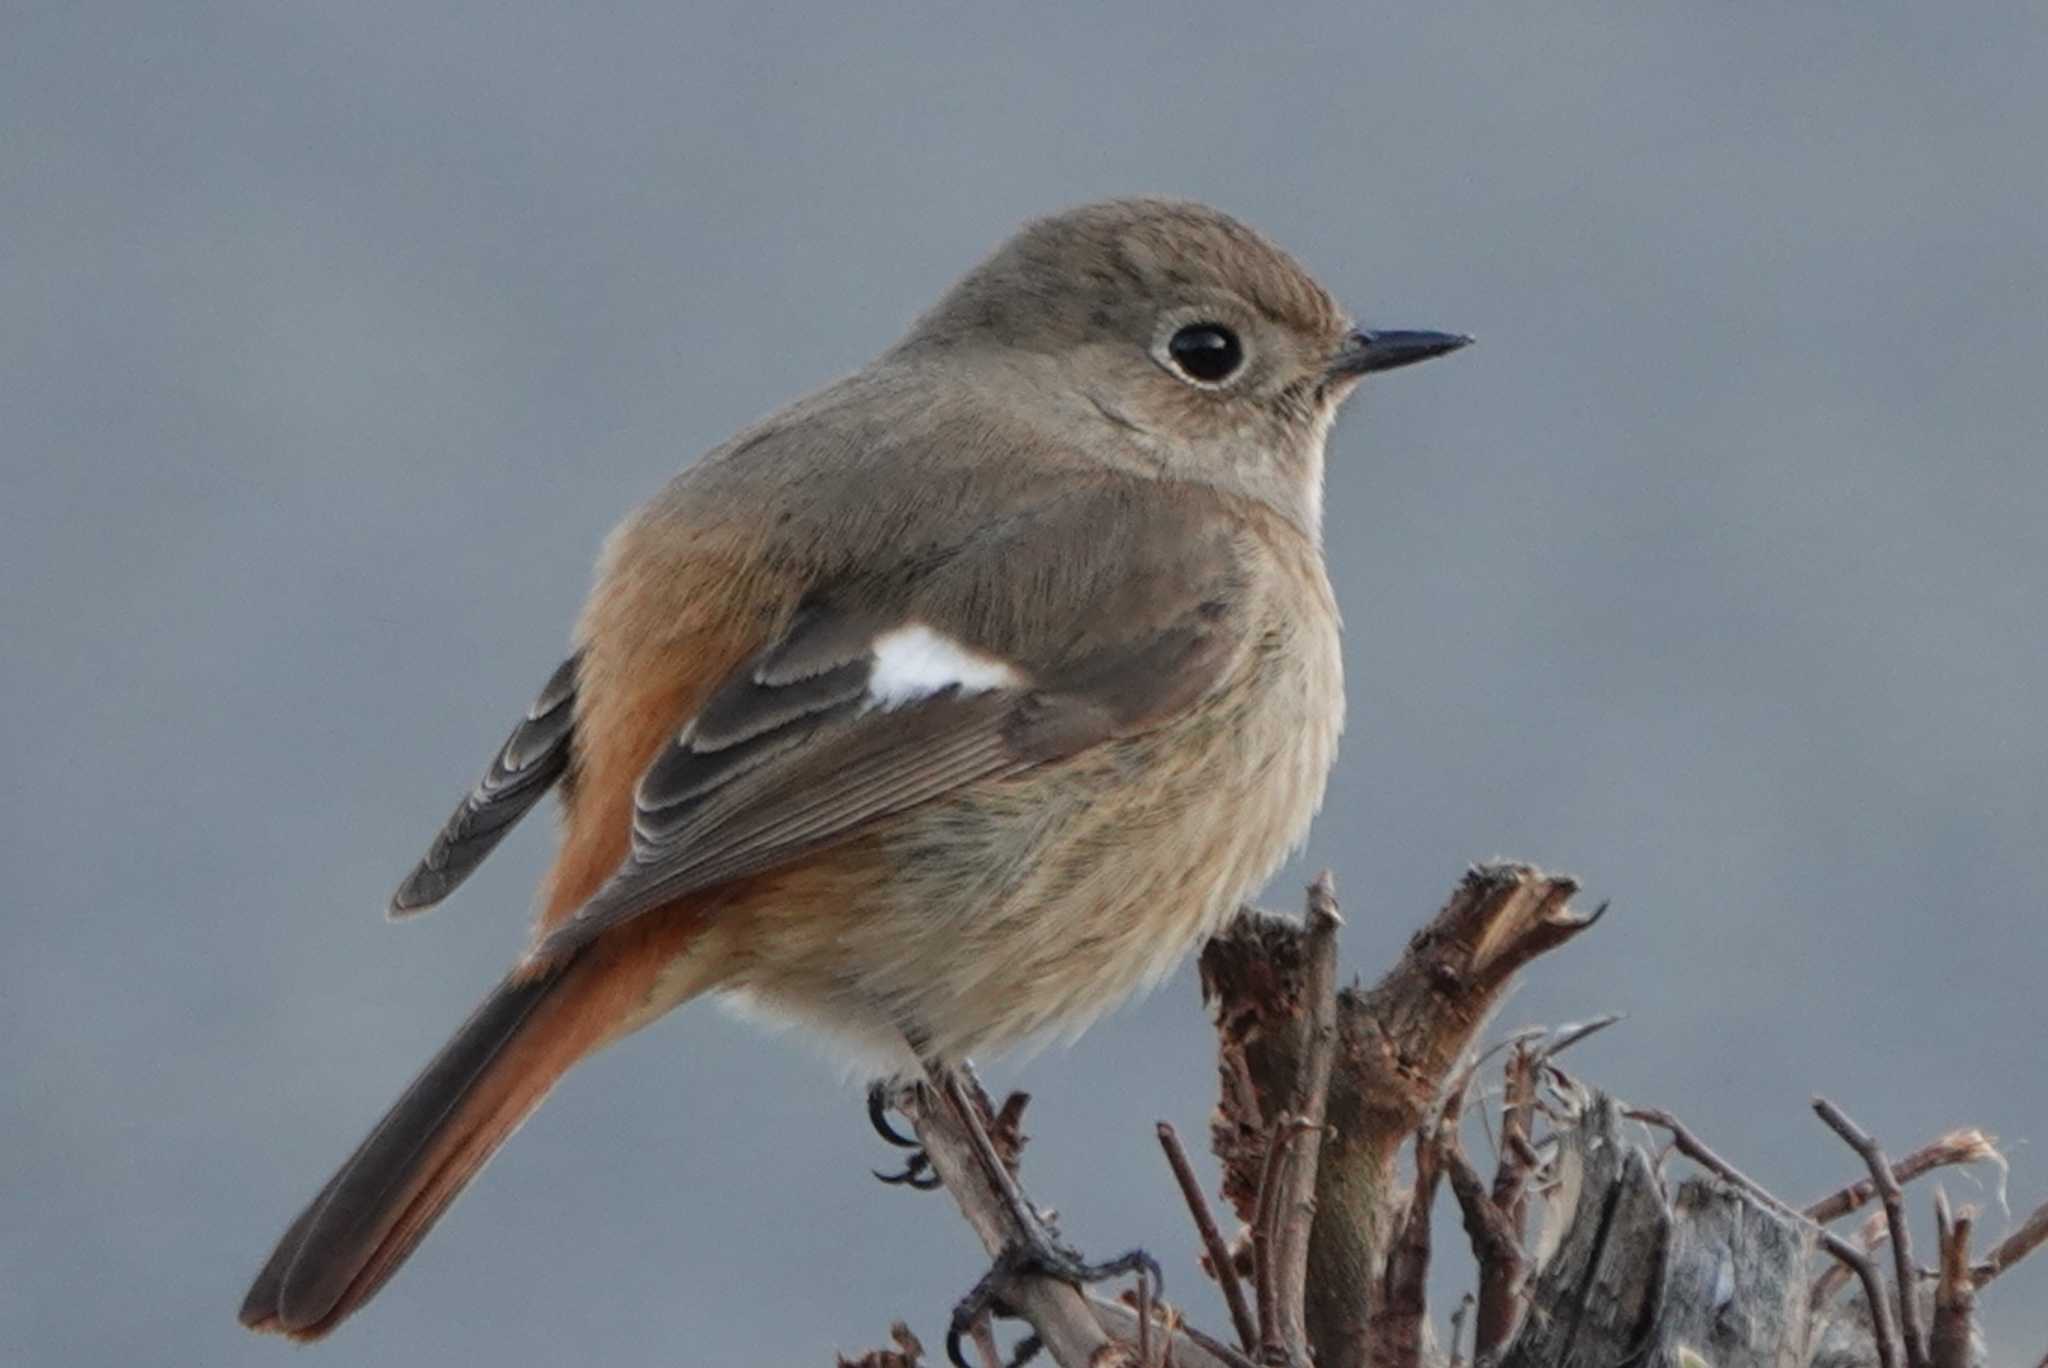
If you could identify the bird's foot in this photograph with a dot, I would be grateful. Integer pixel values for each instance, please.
(1004, 1126)
(917, 1166)
(1042, 1255)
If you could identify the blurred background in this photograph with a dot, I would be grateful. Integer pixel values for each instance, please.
(336, 337)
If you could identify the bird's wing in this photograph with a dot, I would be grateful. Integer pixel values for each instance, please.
(1077, 623)
(533, 757)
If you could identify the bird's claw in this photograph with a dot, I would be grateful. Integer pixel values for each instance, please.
(1038, 1254)
(916, 1172)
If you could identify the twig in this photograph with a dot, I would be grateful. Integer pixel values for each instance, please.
(1403, 1308)
(1572, 1033)
(1829, 1284)
(1144, 1323)
(1264, 1289)
(1295, 1204)
(1517, 1160)
(1693, 1148)
(2033, 1232)
(1187, 1347)
(1957, 1147)
(984, 1337)
(1056, 1311)
(1955, 1296)
(1496, 1248)
(1895, 1217)
(908, 1353)
(1398, 1042)
(1458, 1328)
(1220, 1264)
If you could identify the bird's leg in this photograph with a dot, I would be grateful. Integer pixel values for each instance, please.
(1034, 1247)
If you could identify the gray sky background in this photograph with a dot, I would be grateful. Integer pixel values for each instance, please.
(335, 338)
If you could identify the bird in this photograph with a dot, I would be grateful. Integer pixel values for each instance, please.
(937, 712)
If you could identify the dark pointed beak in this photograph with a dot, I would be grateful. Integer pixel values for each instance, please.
(1365, 352)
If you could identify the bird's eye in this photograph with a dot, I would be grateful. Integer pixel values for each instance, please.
(1207, 353)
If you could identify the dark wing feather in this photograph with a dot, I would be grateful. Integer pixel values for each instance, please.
(526, 767)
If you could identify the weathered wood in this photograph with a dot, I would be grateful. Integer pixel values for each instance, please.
(1598, 1287)
(1397, 1045)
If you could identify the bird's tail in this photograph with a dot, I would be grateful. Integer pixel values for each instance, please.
(478, 1089)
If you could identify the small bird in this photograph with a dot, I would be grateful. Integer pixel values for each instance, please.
(938, 711)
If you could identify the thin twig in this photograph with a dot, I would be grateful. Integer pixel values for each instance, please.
(2033, 1232)
(1397, 1321)
(1280, 1136)
(1517, 1160)
(1832, 1278)
(1955, 1296)
(1495, 1247)
(1458, 1328)
(1220, 1264)
(1695, 1149)
(1957, 1147)
(1571, 1033)
(1144, 1323)
(984, 1337)
(1887, 1182)
(1295, 1205)
(1187, 1346)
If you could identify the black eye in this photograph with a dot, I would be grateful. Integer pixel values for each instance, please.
(1208, 352)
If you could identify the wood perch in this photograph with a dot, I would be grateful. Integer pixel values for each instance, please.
(1396, 1046)
(1321, 1088)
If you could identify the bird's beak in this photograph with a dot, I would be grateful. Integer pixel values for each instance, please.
(1365, 352)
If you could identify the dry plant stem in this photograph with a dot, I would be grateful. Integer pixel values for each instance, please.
(1950, 1342)
(1517, 1160)
(1265, 1264)
(1403, 1306)
(984, 1337)
(1957, 1147)
(1829, 1284)
(1397, 1044)
(2031, 1235)
(1212, 1238)
(1294, 1205)
(1496, 1248)
(1895, 1217)
(1693, 1148)
(1458, 1329)
(1185, 1347)
(964, 1159)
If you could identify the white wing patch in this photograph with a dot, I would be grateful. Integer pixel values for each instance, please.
(913, 661)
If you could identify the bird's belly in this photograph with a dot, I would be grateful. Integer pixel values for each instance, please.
(1019, 910)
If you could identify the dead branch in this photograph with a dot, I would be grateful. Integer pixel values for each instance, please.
(1293, 1205)
(1057, 1312)
(1400, 1317)
(2031, 1235)
(1319, 1089)
(1693, 1148)
(1836, 1275)
(1216, 1255)
(1496, 1246)
(1953, 1340)
(1464, 1309)
(908, 1353)
(1968, 1146)
(1397, 1044)
(1895, 1218)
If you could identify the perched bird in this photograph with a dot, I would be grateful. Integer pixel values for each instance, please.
(937, 711)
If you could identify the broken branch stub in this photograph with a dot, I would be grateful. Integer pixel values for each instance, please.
(1397, 1044)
